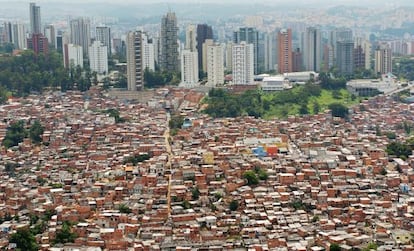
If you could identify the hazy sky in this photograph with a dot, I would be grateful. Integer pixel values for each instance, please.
(324, 2)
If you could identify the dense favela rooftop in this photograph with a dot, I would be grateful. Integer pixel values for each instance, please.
(317, 180)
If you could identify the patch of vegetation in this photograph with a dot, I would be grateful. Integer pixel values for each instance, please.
(115, 114)
(234, 205)
(65, 234)
(137, 158)
(176, 122)
(24, 240)
(124, 209)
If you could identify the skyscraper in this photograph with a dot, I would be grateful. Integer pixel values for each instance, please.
(311, 45)
(50, 34)
(204, 32)
(215, 65)
(345, 56)
(98, 57)
(135, 71)
(103, 34)
(191, 38)
(297, 60)
(243, 64)
(80, 33)
(271, 50)
(285, 51)
(250, 36)
(189, 67)
(35, 21)
(169, 43)
(383, 59)
(19, 36)
(148, 55)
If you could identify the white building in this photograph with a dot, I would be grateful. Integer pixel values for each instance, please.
(50, 34)
(275, 83)
(383, 59)
(98, 57)
(189, 67)
(19, 36)
(103, 34)
(73, 55)
(243, 64)
(148, 53)
(135, 70)
(215, 65)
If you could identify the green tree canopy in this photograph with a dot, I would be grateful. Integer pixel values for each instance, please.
(338, 110)
(24, 240)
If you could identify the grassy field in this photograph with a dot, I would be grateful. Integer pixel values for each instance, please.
(326, 98)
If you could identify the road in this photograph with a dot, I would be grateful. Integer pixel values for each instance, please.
(168, 164)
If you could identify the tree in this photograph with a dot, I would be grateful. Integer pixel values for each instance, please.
(15, 134)
(195, 193)
(124, 209)
(251, 178)
(24, 240)
(338, 110)
(399, 149)
(234, 204)
(36, 132)
(303, 110)
(65, 235)
(316, 107)
(334, 247)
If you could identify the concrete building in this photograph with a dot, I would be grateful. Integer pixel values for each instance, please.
(19, 36)
(229, 56)
(383, 59)
(274, 83)
(191, 38)
(72, 55)
(80, 33)
(35, 20)
(359, 57)
(38, 43)
(250, 36)
(169, 43)
(243, 64)
(189, 67)
(103, 34)
(206, 44)
(297, 60)
(135, 71)
(285, 51)
(204, 32)
(271, 51)
(215, 65)
(148, 54)
(50, 34)
(311, 45)
(98, 58)
(345, 56)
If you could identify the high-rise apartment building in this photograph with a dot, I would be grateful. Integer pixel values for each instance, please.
(271, 51)
(345, 56)
(204, 32)
(383, 59)
(250, 36)
(215, 65)
(19, 36)
(243, 64)
(311, 46)
(297, 60)
(50, 34)
(135, 70)
(103, 34)
(189, 67)
(72, 55)
(80, 33)
(285, 51)
(169, 43)
(148, 54)
(38, 43)
(98, 57)
(35, 21)
(206, 44)
(359, 57)
(191, 38)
